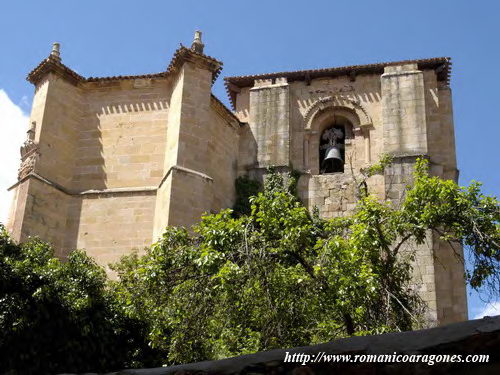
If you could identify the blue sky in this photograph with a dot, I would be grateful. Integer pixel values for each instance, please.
(103, 38)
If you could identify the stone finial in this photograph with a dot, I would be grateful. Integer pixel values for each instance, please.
(55, 54)
(197, 45)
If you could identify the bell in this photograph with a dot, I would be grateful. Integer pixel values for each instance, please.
(333, 161)
(332, 152)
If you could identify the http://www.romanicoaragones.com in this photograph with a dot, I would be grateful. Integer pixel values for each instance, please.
(429, 359)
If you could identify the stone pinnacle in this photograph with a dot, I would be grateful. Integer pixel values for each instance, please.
(197, 45)
(55, 54)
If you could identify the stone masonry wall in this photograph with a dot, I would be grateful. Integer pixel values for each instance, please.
(269, 121)
(223, 157)
(186, 162)
(121, 145)
(17, 211)
(57, 130)
(404, 110)
(416, 124)
(42, 207)
(121, 139)
(332, 194)
(46, 214)
(110, 225)
(170, 156)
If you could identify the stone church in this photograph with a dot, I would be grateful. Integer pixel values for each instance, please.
(109, 162)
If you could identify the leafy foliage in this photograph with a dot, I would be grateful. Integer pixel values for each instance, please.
(458, 215)
(279, 277)
(271, 276)
(245, 188)
(59, 317)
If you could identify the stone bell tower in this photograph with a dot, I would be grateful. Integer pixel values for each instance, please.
(329, 123)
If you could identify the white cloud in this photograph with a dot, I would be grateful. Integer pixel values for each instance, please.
(13, 127)
(490, 309)
(25, 104)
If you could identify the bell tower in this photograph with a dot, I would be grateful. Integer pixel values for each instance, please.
(109, 162)
(330, 123)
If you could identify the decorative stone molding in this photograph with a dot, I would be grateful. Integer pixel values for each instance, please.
(269, 83)
(335, 90)
(191, 172)
(29, 147)
(333, 102)
(142, 190)
(27, 166)
(29, 173)
(29, 153)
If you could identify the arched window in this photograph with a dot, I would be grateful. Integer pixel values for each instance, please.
(332, 148)
(337, 122)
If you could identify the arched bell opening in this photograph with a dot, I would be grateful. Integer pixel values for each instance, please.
(325, 123)
(332, 150)
(332, 146)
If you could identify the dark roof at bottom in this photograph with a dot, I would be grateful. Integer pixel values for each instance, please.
(471, 337)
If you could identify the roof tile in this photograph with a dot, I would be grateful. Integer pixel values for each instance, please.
(443, 64)
(52, 64)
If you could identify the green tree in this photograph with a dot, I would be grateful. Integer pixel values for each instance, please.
(273, 277)
(60, 316)
(245, 188)
(280, 277)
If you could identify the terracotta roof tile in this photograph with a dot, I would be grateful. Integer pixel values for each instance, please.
(52, 64)
(118, 78)
(181, 54)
